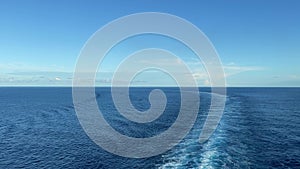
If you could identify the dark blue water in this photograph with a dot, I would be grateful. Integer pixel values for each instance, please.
(259, 129)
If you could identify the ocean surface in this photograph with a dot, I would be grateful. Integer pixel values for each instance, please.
(260, 128)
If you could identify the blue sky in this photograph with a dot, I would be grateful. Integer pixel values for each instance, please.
(257, 41)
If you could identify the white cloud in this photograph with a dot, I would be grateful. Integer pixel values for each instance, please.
(231, 70)
(58, 79)
(200, 75)
(206, 82)
(294, 77)
(25, 67)
(20, 73)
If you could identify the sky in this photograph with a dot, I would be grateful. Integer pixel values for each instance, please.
(257, 41)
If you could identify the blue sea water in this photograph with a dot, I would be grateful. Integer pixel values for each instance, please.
(260, 128)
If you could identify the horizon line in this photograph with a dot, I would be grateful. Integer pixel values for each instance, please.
(46, 86)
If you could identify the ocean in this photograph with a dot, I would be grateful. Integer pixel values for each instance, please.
(260, 128)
